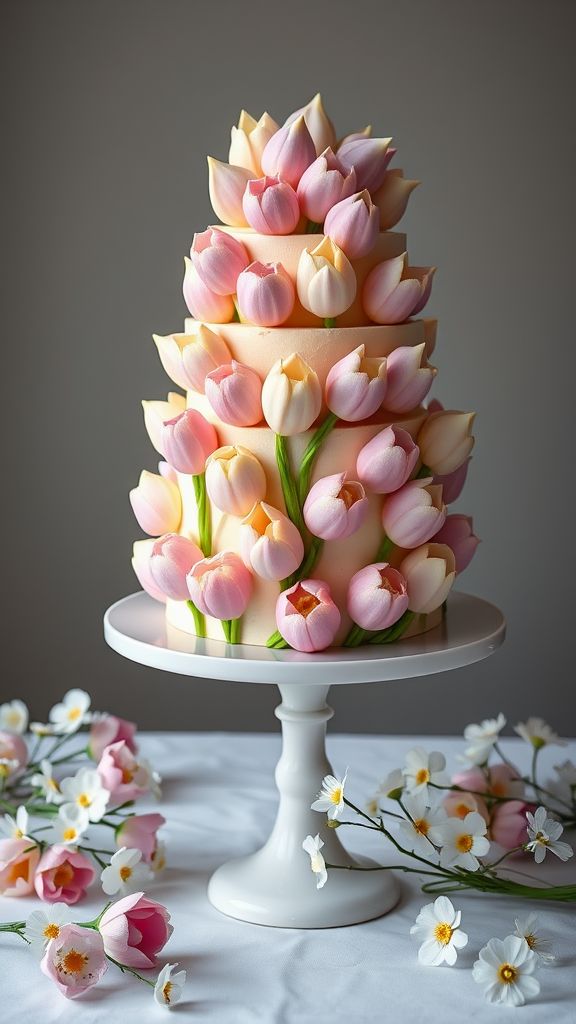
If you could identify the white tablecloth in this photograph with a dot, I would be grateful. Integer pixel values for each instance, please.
(219, 801)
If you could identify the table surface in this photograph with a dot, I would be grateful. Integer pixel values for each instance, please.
(219, 802)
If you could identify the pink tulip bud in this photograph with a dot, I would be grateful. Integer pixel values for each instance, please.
(408, 381)
(289, 152)
(171, 560)
(270, 544)
(189, 358)
(248, 140)
(393, 291)
(156, 414)
(356, 385)
(226, 184)
(458, 534)
(141, 554)
(368, 157)
(353, 225)
(63, 875)
(335, 507)
(235, 480)
(220, 586)
(387, 461)
(108, 729)
(266, 294)
(307, 617)
(134, 930)
(271, 206)
(324, 184)
(445, 440)
(392, 197)
(157, 504)
(139, 832)
(317, 122)
(218, 259)
(234, 391)
(500, 780)
(291, 396)
(429, 572)
(377, 596)
(453, 483)
(413, 514)
(203, 303)
(508, 825)
(325, 280)
(18, 861)
(188, 440)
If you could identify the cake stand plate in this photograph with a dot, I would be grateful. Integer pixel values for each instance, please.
(275, 885)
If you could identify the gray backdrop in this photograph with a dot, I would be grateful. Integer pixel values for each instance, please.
(109, 111)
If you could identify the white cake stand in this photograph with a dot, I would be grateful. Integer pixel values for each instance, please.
(275, 885)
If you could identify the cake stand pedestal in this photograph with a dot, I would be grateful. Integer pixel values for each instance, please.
(275, 885)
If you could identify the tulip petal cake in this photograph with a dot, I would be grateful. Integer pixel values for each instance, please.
(301, 500)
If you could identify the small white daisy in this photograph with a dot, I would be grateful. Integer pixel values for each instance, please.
(544, 833)
(438, 929)
(86, 789)
(45, 781)
(70, 825)
(15, 828)
(414, 835)
(423, 768)
(68, 715)
(462, 841)
(169, 986)
(42, 729)
(9, 767)
(125, 873)
(482, 738)
(505, 969)
(525, 928)
(43, 925)
(14, 716)
(331, 796)
(312, 846)
(538, 733)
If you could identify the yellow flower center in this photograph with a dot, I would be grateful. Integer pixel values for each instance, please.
(73, 714)
(127, 775)
(443, 933)
(74, 962)
(167, 989)
(531, 940)
(69, 834)
(13, 719)
(507, 973)
(423, 775)
(51, 931)
(464, 843)
(4, 771)
(541, 837)
(303, 601)
(461, 810)
(18, 870)
(125, 873)
(84, 800)
(52, 784)
(336, 795)
(422, 826)
(18, 834)
(63, 875)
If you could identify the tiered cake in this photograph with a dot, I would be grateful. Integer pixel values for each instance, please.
(301, 500)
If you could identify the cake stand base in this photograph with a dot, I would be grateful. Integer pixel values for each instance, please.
(275, 885)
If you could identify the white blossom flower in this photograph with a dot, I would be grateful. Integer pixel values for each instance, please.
(423, 768)
(45, 781)
(331, 796)
(8, 767)
(482, 738)
(538, 733)
(14, 716)
(438, 929)
(86, 789)
(505, 970)
(393, 783)
(69, 826)
(544, 833)
(463, 840)
(169, 986)
(68, 716)
(312, 846)
(414, 834)
(15, 828)
(42, 729)
(43, 925)
(525, 928)
(125, 873)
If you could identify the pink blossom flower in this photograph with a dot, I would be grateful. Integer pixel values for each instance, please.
(202, 302)
(13, 748)
(220, 586)
(18, 861)
(270, 543)
(458, 533)
(335, 507)
(122, 775)
(368, 157)
(75, 960)
(414, 513)
(218, 258)
(393, 291)
(429, 572)
(271, 206)
(139, 832)
(171, 560)
(317, 122)
(289, 152)
(458, 805)
(109, 729)
(187, 441)
(307, 617)
(156, 503)
(445, 440)
(141, 552)
(323, 185)
(266, 294)
(234, 392)
(356, 385)
(377, 596)
(63, 875)
(387, 461)
(392, 197)
(189, 358)
(408, 380)
(353, 225)
(134, 930)
(226, 185)
(508, 825)
(235, 479)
